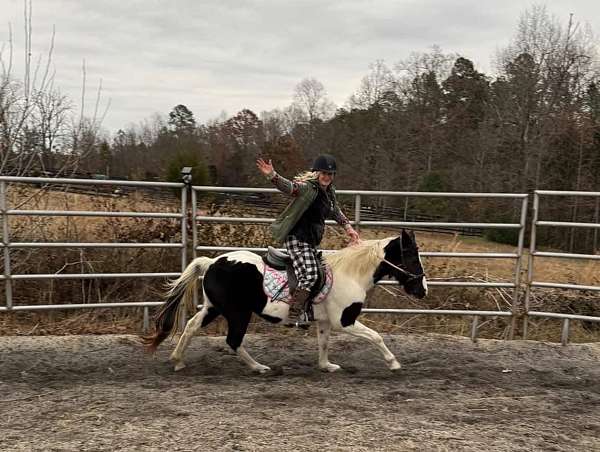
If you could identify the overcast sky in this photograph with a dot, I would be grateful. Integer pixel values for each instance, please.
(227, 55)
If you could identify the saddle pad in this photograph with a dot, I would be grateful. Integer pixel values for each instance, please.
(276, 287)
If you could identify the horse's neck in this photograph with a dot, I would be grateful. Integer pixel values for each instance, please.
(365, 278)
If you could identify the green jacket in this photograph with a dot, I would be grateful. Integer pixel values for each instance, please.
(307, 193)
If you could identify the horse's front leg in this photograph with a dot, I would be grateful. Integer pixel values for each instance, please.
(360, 330)
(323, 331)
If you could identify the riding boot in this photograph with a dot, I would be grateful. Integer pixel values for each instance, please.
(298, 315)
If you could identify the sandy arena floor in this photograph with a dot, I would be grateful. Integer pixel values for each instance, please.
(81, 393)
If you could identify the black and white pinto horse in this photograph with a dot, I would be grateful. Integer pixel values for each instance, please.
(233, 288)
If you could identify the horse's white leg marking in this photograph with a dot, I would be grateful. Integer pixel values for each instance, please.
(360, 330)
(323, 330)
(245, 357)
(191, 328)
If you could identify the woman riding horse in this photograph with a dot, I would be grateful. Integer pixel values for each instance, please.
(301, 225)
(233, 288)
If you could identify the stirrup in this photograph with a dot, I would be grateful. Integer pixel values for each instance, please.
(301, 320)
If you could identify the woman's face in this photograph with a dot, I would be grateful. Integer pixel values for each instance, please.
(325, 178)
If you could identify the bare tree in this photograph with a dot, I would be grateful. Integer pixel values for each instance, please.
(50, 116)
(549, 65)
(374, 86)
(310, 97)
(419, 63)
(37, 122)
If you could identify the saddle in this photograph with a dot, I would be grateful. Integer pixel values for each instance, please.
(281, 262)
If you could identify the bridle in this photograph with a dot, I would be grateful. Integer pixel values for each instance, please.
(410, 276)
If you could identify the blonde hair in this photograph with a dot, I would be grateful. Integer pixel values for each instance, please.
(306, 175)
(358, 259)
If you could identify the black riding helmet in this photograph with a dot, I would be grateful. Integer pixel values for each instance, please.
(325, 162)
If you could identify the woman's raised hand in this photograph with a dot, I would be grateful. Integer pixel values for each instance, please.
(265, 167)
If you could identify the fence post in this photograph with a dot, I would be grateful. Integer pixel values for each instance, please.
(357, 211)
(146, 320)
(184, 218)
(474, 327)
(518, 265)
(186, 176)
(194, 234)
(565, 332)
(536, 205)
(6, 242)
(597, 220)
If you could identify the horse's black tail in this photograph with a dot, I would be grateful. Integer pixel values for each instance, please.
(182, 289)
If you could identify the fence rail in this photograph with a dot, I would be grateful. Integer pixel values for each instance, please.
(363, 216)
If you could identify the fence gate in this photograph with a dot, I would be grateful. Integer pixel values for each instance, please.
(534, 252)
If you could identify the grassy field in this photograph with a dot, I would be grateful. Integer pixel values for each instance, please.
(88, 229)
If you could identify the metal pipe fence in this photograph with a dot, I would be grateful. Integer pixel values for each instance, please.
(513, 313)
(534, 252)
(8, 245)
(359, 195)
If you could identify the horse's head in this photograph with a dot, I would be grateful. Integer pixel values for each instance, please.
(402, 262)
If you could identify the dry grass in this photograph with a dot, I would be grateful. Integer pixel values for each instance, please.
(86, 229)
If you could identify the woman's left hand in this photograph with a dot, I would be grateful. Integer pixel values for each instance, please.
(354, 237)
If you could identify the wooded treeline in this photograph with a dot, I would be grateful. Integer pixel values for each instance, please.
(431, 122)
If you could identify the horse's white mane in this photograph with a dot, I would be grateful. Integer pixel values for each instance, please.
(358, 259)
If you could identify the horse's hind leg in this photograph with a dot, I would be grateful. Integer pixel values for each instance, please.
(323, 331)
(360, 330)
(237, 326)
(206, 315)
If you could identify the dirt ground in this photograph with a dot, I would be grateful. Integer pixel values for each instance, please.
(81, 393)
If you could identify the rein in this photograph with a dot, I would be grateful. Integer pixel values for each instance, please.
(409, 275)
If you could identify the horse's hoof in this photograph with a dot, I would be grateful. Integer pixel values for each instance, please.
(330, 367)
(180, 365)
(395, 365)
(262, 369)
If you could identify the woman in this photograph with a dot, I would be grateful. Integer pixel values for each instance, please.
(301, 225)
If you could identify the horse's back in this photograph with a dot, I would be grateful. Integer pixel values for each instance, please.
(246, 257)
(234, 282)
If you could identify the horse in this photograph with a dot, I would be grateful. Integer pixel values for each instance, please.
(233, 288)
